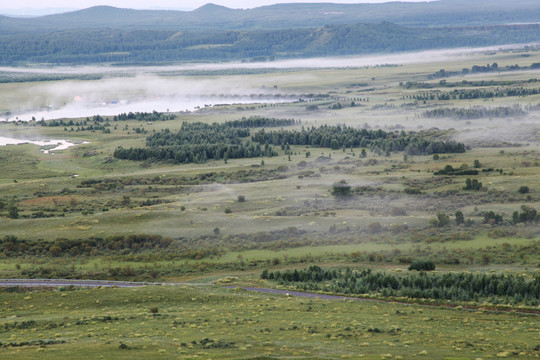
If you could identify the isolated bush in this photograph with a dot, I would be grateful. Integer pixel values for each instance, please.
(397, 228)
(460, 218)
(13, 212)
(442, 220)
(372, 162)
(241, 198)
(341, 189)
(412, 191)
(55, 250)
(523, 190)
(422, 265)
(396, 211)
(374, 228)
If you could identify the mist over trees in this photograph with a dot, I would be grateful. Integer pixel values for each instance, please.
(475, 112)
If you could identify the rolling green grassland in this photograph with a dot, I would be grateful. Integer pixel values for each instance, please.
(241, 325)
(82, 213)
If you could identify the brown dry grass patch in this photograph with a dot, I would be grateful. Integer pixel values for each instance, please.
(49, 200)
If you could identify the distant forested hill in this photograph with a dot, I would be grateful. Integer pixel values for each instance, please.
(285, 16)
(216, 33)
(151, 46)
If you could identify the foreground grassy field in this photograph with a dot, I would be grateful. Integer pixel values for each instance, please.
(217, 323)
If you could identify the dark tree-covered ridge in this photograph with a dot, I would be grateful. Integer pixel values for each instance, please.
(140, 46)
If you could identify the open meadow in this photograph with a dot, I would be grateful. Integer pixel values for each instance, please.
(216, 323)
(378, 166)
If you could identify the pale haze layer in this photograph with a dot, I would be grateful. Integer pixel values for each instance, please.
(162, 4)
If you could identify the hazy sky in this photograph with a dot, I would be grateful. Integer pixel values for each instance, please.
(172, 4)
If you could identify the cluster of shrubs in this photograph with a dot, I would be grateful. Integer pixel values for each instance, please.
(11, 246)
(472, 184)
(243, 175)
(449, 170)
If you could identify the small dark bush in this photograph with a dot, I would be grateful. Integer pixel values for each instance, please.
(422, 265)
(341, 189)
(412, 191)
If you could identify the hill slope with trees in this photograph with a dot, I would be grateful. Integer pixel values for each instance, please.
(150, 46)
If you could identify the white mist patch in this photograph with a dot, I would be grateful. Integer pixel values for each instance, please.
(140, 93)
(418, 57)
(159, 88)
(114, 107)
(47, 145)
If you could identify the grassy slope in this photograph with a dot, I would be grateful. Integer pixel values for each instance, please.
(248, 326)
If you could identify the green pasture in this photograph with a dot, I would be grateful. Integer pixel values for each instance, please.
(301, 199)
(216, 323)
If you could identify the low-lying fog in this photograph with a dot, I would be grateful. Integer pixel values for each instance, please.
(418, 57)
(140, 93)
(142, 89)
